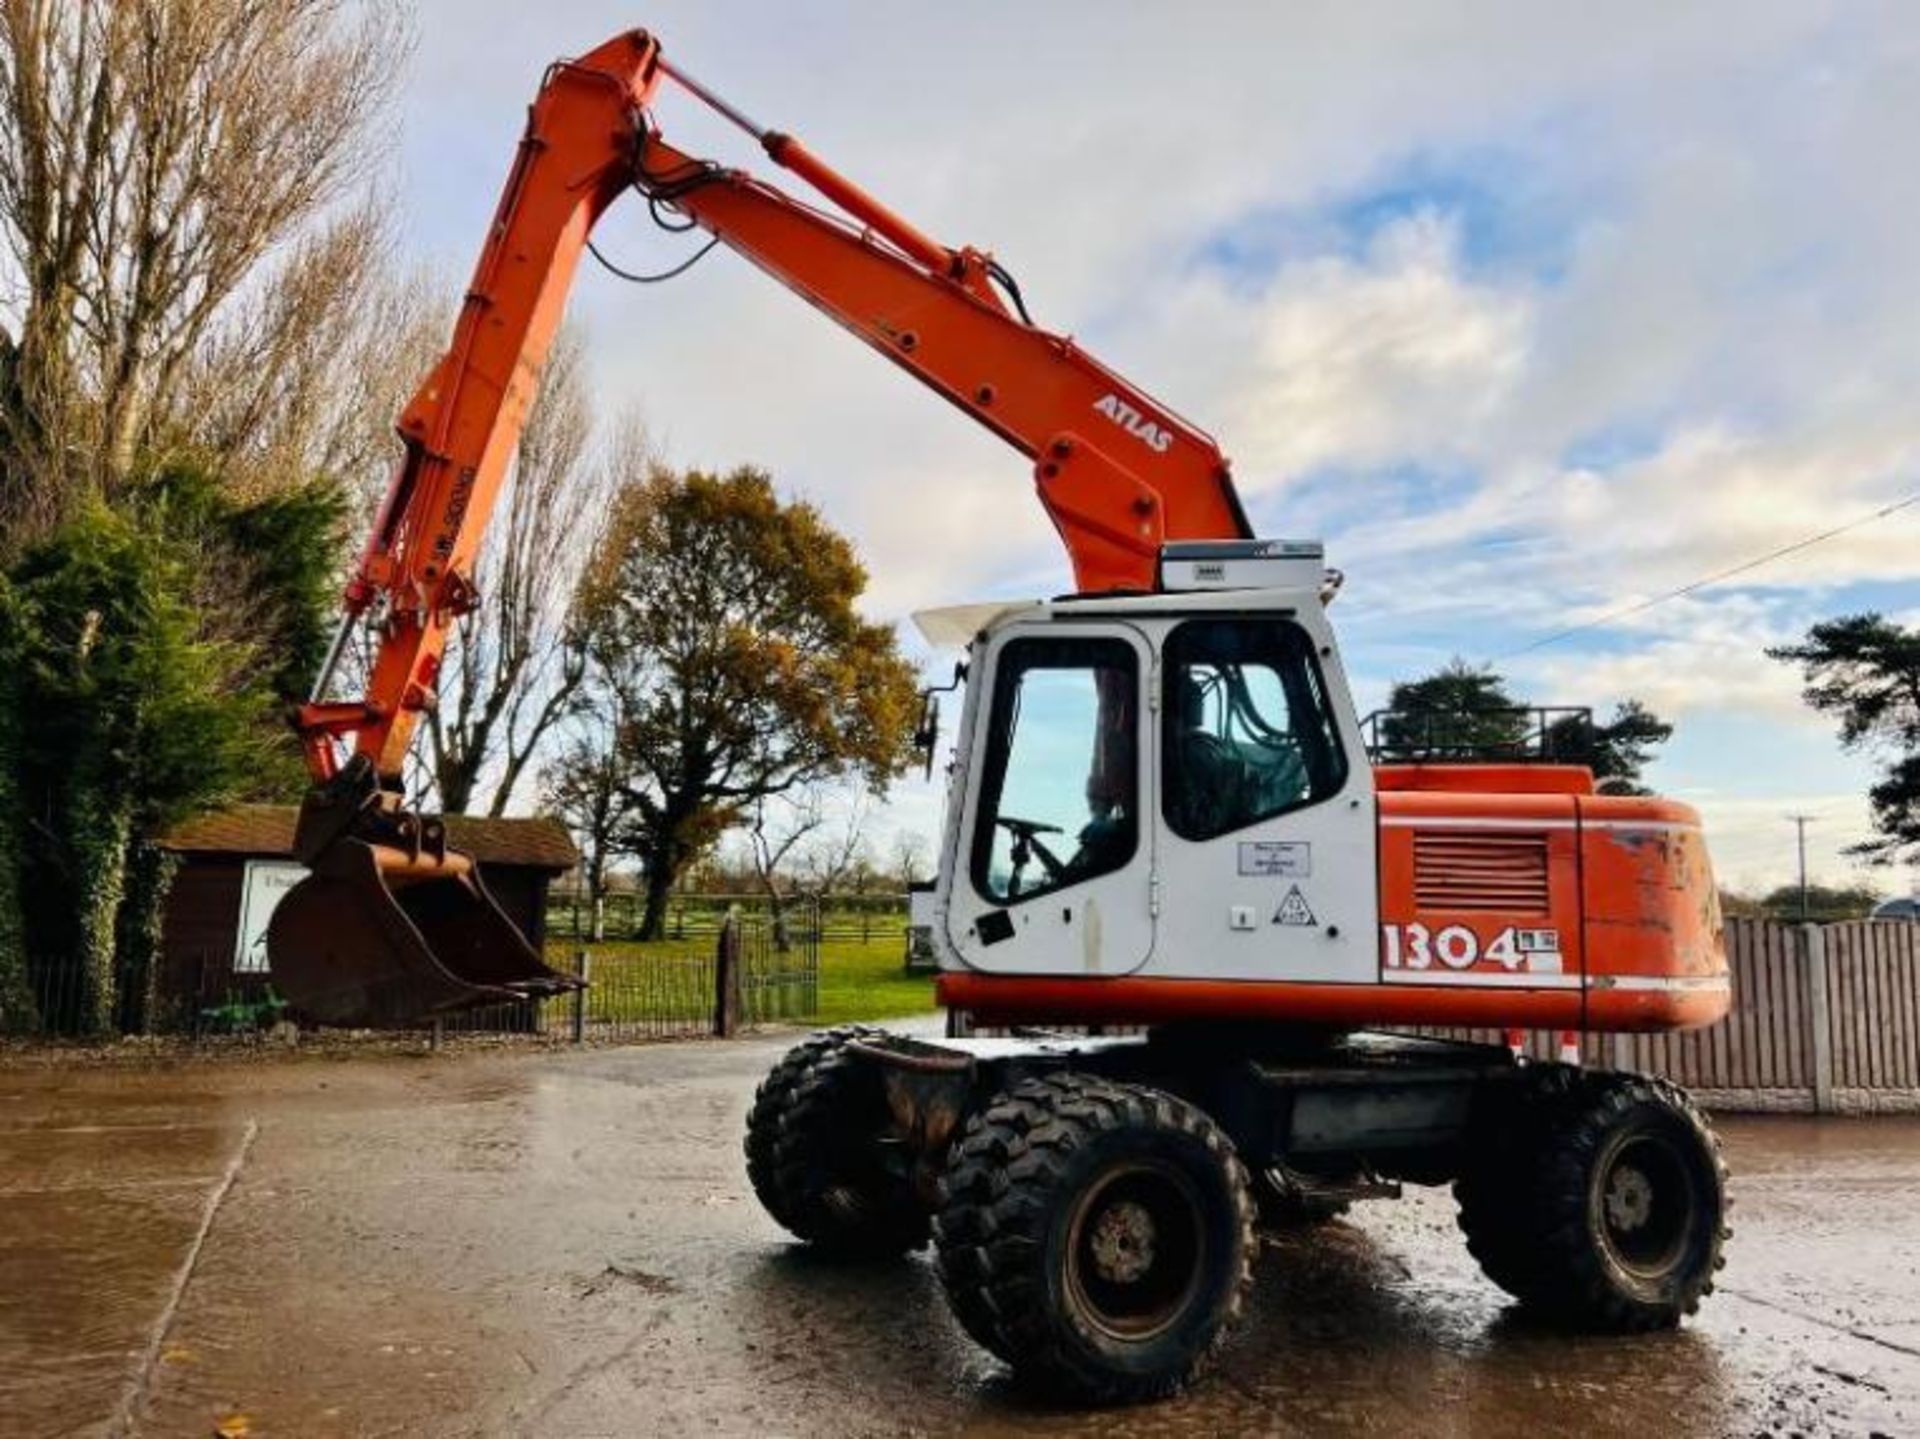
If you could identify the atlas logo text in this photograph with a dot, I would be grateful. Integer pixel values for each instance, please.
(1157, 438)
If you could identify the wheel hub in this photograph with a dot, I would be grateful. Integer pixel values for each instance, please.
(1646, 1203)
(1122, 1242)
(1629, 1199)
(1136, 1249)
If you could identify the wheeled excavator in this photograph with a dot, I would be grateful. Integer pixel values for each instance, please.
(1164, 830)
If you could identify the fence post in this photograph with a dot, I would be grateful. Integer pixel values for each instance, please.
(583, 967)
(726, 976)
(1813, 955)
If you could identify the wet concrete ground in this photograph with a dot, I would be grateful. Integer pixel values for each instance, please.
(564, 1244)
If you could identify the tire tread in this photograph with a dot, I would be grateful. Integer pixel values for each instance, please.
(996, 1206)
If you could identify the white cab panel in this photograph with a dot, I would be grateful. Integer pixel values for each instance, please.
(1060, 884)
(1283, 887)
(1307, 874)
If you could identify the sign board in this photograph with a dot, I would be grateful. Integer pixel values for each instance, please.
(1281, 858)
(262, 887)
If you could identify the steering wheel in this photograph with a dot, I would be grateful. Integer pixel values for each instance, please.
(1027, 846)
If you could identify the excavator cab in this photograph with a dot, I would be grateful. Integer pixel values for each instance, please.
(392, 927)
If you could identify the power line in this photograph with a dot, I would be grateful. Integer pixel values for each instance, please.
(1715, 578)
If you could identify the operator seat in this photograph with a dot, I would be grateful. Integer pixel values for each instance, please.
(1207, 780)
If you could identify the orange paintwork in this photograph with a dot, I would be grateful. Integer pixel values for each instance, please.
(1651, 907)
(1622, 886)
(1485, 778)
(1017, 999)
(1116, 471)
(463, 424)
(1114, 496)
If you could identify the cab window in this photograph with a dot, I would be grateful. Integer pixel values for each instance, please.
(1059, 800)
(1247, 732)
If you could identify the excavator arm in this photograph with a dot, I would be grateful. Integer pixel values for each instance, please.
(393, 925)
(1116, 470)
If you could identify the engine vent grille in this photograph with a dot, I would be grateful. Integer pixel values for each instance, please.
(1506, 872)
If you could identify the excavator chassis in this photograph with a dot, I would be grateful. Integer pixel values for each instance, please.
(1094, 1202)
(1349, 1115)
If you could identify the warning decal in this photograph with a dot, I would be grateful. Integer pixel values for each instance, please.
(1295, 910)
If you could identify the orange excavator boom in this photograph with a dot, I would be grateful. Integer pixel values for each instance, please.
(393, 926)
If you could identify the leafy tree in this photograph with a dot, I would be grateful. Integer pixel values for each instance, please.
(125, 717)
(264, 568)
(723, 620)
(1865, 669)
(1464, 711)
(1616, 751)
(1460, 710)
(143, 652)
(1825, 903)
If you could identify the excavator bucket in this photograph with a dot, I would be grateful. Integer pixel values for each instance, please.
(385, 934)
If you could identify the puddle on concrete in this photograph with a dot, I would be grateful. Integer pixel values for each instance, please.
(565, 1244)
(97, 1220)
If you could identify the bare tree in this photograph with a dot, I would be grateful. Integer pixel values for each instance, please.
(909, 858)
(155, 158)
(305, 374)
(780, 824)
(513, 667)
(583, 788)
(839, 853)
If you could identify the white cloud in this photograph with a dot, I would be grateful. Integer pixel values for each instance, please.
(1392, 357)
(1704, 657)
(1754, 843)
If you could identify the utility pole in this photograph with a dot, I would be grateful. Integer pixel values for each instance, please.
(1800, 823)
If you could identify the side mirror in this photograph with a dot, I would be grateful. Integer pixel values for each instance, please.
(926, 730)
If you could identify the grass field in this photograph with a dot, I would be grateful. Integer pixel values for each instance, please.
(865, 981)
(669, 981)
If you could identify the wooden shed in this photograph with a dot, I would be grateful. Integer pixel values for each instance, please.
(236, 863)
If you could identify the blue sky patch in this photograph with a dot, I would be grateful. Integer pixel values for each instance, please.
(1511, 216)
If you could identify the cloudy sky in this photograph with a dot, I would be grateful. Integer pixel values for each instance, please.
(1531, 311)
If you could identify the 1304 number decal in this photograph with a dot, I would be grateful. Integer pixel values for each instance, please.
(1459, 946)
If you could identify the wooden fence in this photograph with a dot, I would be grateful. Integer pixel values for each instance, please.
(1825, 1019)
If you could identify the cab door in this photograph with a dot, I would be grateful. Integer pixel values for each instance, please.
(1052, 870)
(1268, 834)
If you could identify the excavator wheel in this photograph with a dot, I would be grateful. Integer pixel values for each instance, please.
(1604, 1208)
(1494, 1190)
(1096, 1236)
(816, 1158)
